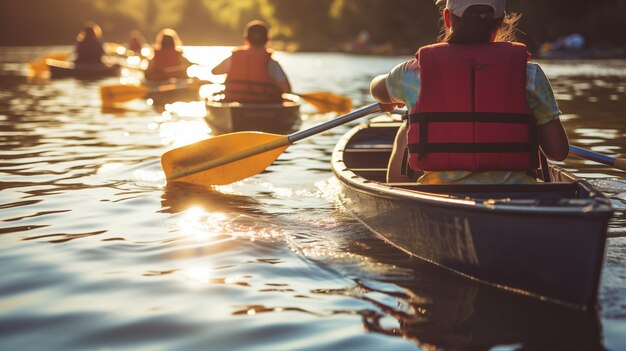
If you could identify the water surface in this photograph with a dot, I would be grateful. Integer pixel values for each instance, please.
(98, 252)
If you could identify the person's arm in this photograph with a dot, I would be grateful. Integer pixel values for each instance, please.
(101, 51)
(222, 67)
(283, 86)
(553, 140)
(185, 62)
(387, 90)
(279, 76)
(150, 72)
(551, 134)
(378, 89)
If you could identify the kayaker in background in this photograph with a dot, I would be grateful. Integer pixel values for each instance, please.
(136, 42)
(252, 74)
(168, 61)
(473, 68)
(88, 49)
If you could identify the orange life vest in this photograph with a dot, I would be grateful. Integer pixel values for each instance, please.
(472, 113)
(248, 78)
(164, 60)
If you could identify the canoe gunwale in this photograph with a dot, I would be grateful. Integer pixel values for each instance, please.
(600, 206)
(234, 116)
(551, 253)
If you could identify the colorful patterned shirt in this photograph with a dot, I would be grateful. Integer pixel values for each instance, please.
(403, 85)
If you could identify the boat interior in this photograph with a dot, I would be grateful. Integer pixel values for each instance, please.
(368, 151)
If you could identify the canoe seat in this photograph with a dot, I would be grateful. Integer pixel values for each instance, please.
(367, 156)
(545, 193)
(373, 174)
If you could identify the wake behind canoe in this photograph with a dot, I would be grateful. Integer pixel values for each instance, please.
(544, 240)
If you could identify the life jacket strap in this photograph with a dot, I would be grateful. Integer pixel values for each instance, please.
(423, 119)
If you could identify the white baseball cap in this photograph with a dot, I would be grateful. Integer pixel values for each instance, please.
(458, 7)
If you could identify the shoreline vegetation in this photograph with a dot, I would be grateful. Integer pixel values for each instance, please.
(352, 26)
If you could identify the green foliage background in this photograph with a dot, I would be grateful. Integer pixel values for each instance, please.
(313, 25)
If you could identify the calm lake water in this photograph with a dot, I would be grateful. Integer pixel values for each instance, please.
(98, 253)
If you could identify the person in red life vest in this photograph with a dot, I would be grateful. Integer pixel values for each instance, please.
(479, 110)
(88, 48)
(253, 76)
(168, 61)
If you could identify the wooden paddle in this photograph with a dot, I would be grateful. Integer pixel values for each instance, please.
(228, 158)
(39, 65)
(619, 163)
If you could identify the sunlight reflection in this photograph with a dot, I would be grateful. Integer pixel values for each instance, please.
(134, 60)
(210, 89)
(148, 176)
(284, 192)
(127, 79)
(109, 168)
(146, 52)
(204, 275)
(201, 225)
(605, 134)
(228, 189)
(568, 117)
(195, 109)
(198, 274)
(182, 133)
(205, 58)
(329, 189)
(199, 55)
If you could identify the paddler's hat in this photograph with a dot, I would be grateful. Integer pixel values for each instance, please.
(256, 32)
(458, 7)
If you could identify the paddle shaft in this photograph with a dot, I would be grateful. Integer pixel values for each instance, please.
(275, 144)
(364, 111)
(618, 163)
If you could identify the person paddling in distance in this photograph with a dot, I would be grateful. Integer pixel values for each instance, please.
(168, 61)
(252, 75)
(135, 43)
(479, 110)
(88, 48)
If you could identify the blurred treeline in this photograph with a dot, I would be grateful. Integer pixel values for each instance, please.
(311, 25)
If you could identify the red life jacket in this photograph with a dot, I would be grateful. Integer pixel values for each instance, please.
(166, 64)
(248, 78)
(472, 113)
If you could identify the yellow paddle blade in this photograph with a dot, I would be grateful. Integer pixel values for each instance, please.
(223, 159)
(328, 102)
(122, 93)
(40, 66)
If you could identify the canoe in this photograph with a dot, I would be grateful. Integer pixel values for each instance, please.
(226, 117)
(543, 240)
(67, 69)
(166, 92)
